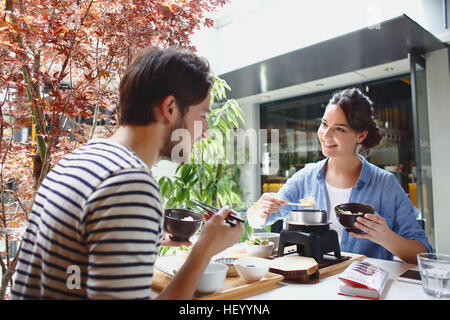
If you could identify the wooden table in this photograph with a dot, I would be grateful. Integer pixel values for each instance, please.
(327, 288)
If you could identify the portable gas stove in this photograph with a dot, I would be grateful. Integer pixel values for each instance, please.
(312, 240)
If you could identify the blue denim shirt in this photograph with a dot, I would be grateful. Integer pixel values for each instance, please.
(376, 187)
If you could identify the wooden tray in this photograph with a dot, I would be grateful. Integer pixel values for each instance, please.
(233, 287)
(331, 265)
(312, 274)
(237, 288)
(330, 269)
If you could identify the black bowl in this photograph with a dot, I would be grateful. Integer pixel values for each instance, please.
(178, 229)
(357, 210)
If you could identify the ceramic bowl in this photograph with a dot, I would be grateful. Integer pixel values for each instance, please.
(213, 278)
(181, 224)
(229, 263)
(262, 251)
(348, 220)
(271, 236)
(252, 268)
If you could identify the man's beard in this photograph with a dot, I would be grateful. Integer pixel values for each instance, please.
(166, 152)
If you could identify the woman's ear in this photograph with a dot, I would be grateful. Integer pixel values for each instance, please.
(361, 136)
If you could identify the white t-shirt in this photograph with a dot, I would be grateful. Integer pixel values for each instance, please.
(336, 196)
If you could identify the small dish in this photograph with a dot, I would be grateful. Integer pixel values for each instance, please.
(229, 263)
(213, 278)
(252, 269)
(259, 250)
(271, 236)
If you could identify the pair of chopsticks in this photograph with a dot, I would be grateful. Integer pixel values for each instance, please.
(213, 210)
(293, 204)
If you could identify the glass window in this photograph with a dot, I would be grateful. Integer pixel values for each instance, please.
(298, 119)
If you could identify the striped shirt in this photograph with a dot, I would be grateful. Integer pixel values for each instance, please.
(94, 230)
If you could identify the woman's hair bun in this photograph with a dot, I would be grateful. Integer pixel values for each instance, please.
(358, 109)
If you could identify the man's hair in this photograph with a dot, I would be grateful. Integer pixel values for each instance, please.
(156, 73)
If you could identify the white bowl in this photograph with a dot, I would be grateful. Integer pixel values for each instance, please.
(262, 251)
(213, 278)
(252, 268)
(229, 263)
(271, 236)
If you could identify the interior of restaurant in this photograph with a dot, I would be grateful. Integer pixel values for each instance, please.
(299, 118)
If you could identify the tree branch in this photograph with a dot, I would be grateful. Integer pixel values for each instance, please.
(72, 41)
(19, 202)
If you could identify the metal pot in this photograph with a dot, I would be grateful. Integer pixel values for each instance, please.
(308, 217)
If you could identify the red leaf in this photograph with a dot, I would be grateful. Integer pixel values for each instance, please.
(208, 23)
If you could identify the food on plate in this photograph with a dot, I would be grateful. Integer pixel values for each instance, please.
(352, 213)
(308, 202)
(258, 242)
(229, 263)
(259, 247)
(181, 224)
(348, 212)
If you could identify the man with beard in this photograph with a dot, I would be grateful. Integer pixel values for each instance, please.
(97, 222)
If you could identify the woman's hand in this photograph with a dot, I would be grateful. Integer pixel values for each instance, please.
(375, 228)
(268, 204)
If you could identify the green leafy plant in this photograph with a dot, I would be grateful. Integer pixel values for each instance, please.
(60, 62)
(211, 176)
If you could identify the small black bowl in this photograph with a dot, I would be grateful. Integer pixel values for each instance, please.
(357, 210)
(178, 229)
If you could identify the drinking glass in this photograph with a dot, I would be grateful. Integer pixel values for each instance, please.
(435, 272)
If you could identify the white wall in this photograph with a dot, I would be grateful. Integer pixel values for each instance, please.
(278, 27)
(250, 181)
(438, 86)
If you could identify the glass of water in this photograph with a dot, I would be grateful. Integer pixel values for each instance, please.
(435, 272)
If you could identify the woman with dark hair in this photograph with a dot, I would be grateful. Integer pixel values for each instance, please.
(347, 129)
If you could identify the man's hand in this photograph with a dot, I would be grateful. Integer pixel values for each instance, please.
(217, 234)
(166, 242)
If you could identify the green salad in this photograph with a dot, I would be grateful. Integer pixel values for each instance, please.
(258, 242)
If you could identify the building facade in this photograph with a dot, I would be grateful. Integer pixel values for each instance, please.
(283, 60)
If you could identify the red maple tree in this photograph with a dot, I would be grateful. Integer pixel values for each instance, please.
(60, 65)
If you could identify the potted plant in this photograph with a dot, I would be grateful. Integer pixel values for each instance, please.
(60, 64)
(210, 176)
